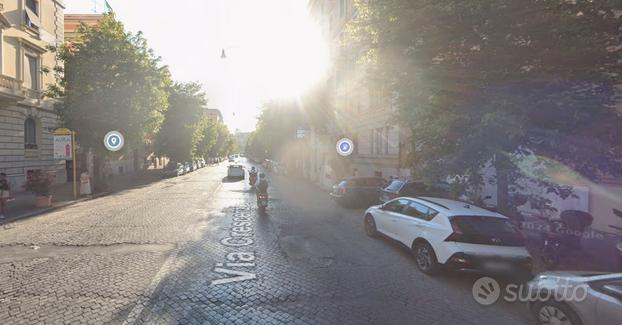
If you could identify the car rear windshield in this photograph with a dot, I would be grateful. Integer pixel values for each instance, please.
(488, 230)
(394, 186)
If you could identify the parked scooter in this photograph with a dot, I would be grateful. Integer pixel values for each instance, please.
(563, 236)
(619, 244)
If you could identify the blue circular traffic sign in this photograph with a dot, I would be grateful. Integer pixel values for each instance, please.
(345, 147)
(114, 141)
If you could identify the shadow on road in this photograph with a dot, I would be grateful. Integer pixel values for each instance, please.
(228, 179)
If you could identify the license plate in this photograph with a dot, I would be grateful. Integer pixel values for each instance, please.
(497, 265)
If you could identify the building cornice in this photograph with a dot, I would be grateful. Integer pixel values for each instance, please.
(61, 3)
(4, 22)
(32, 45)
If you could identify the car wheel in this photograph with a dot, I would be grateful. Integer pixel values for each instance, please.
(425, 258)
(553, 312)
(370, 226)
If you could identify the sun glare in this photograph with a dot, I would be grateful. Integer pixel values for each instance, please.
(283, 55)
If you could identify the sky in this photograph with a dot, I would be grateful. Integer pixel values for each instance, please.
(273, 47)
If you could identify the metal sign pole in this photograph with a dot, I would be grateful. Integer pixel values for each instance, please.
(75, 161)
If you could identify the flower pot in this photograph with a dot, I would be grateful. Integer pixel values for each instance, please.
(42, 201)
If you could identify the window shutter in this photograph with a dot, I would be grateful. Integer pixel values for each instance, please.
(34, 19)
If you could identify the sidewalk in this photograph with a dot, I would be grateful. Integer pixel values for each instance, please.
(22, 206)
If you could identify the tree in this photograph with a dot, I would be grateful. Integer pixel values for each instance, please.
(225, 143)
(111, 80)
(176, 138)
(205, 138)
(276, 129)
(497, 81)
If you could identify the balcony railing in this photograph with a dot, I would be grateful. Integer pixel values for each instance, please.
(9, 83)
(32, 93)
(14, 88)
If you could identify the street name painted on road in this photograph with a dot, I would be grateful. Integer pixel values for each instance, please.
(238, 263)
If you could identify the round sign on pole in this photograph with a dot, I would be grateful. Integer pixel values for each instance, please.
(114, 141)
(345, 147)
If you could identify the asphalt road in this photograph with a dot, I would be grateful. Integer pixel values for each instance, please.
(193, 249)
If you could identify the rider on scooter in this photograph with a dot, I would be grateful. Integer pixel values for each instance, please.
(262, 186)
(252, 176)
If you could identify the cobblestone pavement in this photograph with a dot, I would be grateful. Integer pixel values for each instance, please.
(193, 250)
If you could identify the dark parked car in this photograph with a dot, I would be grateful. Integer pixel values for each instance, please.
(399, 188)
(357, 191)
(173, 169)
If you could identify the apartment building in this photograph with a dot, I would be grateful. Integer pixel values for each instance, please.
(214, 114)
(27, 116)
(364, 108)
(73, 23)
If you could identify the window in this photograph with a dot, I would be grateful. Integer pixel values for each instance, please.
(483, 229)
(385, 140)
(31, 14)
(393, 141)
(419, 211)
(377, 144)
(395, 186)
(396, 205)
(31, 72)
(30, 133)
(33, 5)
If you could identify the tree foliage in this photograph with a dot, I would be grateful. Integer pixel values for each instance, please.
(224, 142)
(111, 80)
(186, 109)
(276, 128)
(499, 80)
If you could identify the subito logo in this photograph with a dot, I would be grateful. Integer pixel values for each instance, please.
(486, 291)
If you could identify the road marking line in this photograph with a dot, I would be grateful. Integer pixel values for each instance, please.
(150, 290)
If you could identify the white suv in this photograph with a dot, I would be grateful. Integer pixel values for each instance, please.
(451, 233)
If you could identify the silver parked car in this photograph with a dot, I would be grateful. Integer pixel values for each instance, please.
(577, 298)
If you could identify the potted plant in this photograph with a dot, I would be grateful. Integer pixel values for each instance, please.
(39, 184)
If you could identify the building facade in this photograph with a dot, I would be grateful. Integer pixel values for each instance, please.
(364, 108)
(214, 114)
(27, 116)
(73, 22)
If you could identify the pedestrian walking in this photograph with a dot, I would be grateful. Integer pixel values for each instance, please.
(5, 193)
(85, 183)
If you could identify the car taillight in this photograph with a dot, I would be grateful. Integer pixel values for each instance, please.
(456, 235)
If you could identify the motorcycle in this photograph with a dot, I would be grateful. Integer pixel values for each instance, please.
(619, 244)
(563, 235)
(262, 202)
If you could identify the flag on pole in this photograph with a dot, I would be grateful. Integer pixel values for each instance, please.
(108, 7)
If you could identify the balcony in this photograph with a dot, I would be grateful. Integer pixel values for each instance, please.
(32, 93)
(11, 89)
